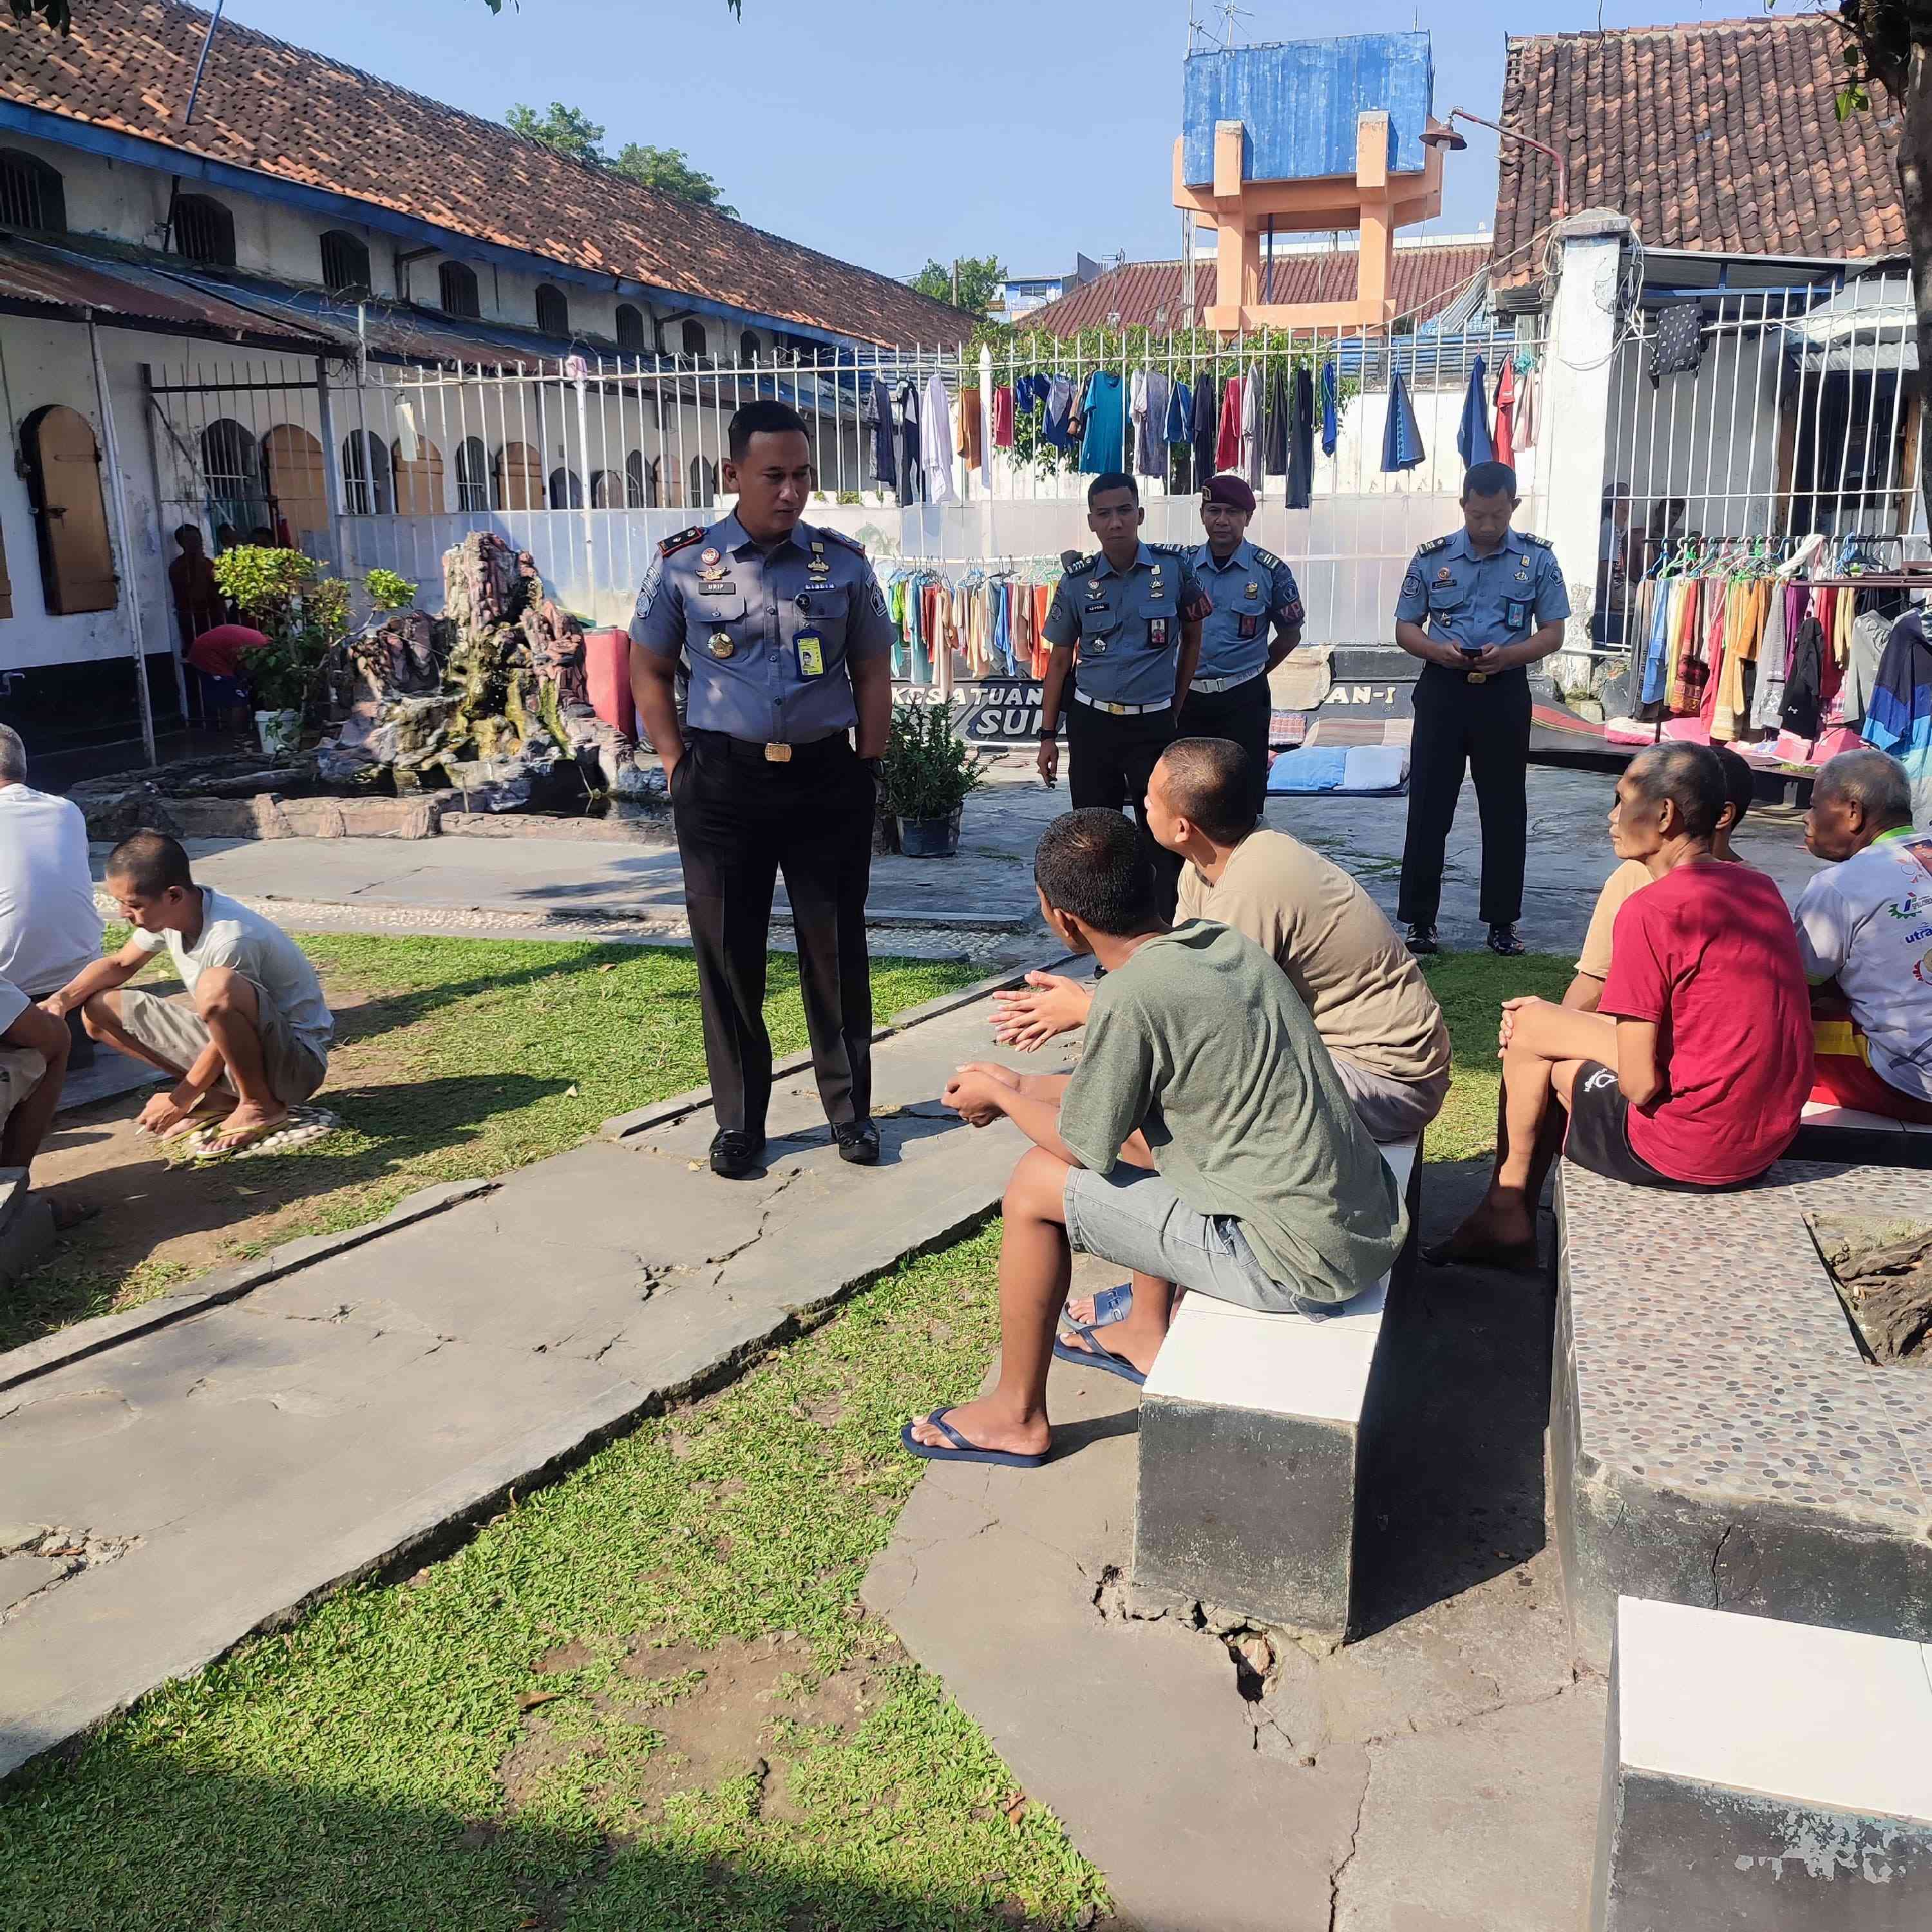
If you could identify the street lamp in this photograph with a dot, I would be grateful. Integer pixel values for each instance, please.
(1443, 134)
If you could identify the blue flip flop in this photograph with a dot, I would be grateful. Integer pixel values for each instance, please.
(1113, 1304)
(963, 1451)
(1097, 1356)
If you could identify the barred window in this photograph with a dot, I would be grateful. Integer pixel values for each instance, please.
(204, 231)
(345, 264)
(31, 194)
(457, 287)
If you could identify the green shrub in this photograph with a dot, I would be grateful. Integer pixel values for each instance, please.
(928, 768)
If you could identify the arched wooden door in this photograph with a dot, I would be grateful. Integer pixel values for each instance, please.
(419, 480)
(296, 484)
(69, 513)
(520, 478)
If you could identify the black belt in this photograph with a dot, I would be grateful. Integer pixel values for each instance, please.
(758, 751)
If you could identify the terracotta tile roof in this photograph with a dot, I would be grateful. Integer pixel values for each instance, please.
(288, 112)
(1722, 136)
(1426, 279)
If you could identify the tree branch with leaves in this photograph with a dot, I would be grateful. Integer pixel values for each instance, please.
(572, 133)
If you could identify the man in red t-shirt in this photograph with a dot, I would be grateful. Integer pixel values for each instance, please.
(1693, 1072)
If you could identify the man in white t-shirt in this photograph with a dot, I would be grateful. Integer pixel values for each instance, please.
(33, 1066)
(1865, 932)
(49, 929)
(249, 1039)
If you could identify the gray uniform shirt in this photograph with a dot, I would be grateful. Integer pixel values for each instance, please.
(1470, 601)
(769, 634)
(1253, 591)
(1127, 623)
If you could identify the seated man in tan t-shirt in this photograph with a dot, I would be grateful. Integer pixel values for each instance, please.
(1361, 985)
(1593, 964)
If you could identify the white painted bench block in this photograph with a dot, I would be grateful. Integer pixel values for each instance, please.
(1250, 1439)
(1776, 1776)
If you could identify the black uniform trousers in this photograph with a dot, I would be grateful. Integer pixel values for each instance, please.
(1485, 727)
(741, 819)
(1243, 715)
(1109, 760)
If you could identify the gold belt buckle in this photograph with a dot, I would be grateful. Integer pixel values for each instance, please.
(777, 754)
(1114, 710)
(1475, 677)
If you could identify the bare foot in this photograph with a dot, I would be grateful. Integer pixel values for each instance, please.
(1500, 1232)
(987, 1427)
(247, 1124)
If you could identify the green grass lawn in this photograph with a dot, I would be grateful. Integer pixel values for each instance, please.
(1472, 987)
(496, 1744)
(455, 1058)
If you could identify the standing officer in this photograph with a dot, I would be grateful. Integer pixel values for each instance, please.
(1134, 612)
(1495, 604)
(790, 647)
(1253, 591)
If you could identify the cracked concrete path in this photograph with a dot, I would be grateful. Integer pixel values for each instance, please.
(1439, 1773)
(217, 1458)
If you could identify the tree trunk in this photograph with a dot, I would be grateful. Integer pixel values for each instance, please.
(1915, 188)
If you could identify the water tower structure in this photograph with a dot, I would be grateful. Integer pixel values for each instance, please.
(1307, 136)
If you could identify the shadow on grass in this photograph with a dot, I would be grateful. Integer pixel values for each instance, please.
(168, 1844)
(382, 1128)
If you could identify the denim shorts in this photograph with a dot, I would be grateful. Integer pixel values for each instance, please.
(1132, 1217)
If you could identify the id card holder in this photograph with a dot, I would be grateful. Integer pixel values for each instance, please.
(811, 650)
(1516, 613)
(1157, 633)
(1248, 628)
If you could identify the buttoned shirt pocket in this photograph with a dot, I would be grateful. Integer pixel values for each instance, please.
(823, 614)
(1099, 625)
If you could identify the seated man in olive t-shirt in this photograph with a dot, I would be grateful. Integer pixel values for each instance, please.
(1205, 1142)
(1693, 1072)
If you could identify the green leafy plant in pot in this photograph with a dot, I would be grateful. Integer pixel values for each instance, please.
(928, 770)
(302, 614)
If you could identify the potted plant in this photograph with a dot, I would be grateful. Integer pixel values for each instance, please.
(302, 614)
(928, 770)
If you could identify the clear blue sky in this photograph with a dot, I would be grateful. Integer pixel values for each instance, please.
(885, 131)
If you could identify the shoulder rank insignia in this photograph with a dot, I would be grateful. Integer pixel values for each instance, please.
(1081, 566)
(1432, 546)
(1188, 550)
(840, 537)
(1266, 559)
(1541, 543)
(683, 540)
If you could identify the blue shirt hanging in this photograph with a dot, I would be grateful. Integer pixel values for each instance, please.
(1402, 435)
(1472, 435)
(1101, 448)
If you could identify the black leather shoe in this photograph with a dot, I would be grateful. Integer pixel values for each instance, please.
(859, 1143)
(1422, 940)
(1503, 939)
(734, 1154)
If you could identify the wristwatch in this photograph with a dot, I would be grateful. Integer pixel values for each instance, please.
(1049, 730)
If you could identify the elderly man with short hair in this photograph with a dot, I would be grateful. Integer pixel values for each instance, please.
(1864, 934)
(49, 930)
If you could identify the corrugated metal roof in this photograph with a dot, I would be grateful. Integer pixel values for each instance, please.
(45, 277)
(1150, 295)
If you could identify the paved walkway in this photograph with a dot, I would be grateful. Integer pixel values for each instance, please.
(176, 1476)
(1441, 1774)
(981, 904)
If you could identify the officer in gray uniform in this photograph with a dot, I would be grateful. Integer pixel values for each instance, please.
(1254, 593)
(1494, 603)
(785, 633)
(1132, 612)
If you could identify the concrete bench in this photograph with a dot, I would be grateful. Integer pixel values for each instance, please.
(1251, 1434)
(1759, 1775)
(1865, 1140)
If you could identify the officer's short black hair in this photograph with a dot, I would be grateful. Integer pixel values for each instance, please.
(1208, 781)
(1489, 479)
(1091, 864)
(1740, 783)
(1689, 775)
(765, 417)
(150, 862)
(1114, 479)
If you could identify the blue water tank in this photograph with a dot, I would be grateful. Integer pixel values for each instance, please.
(1299, 99)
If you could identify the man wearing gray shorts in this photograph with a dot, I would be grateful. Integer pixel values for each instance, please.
(249, 1039)
(1205, 1141)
